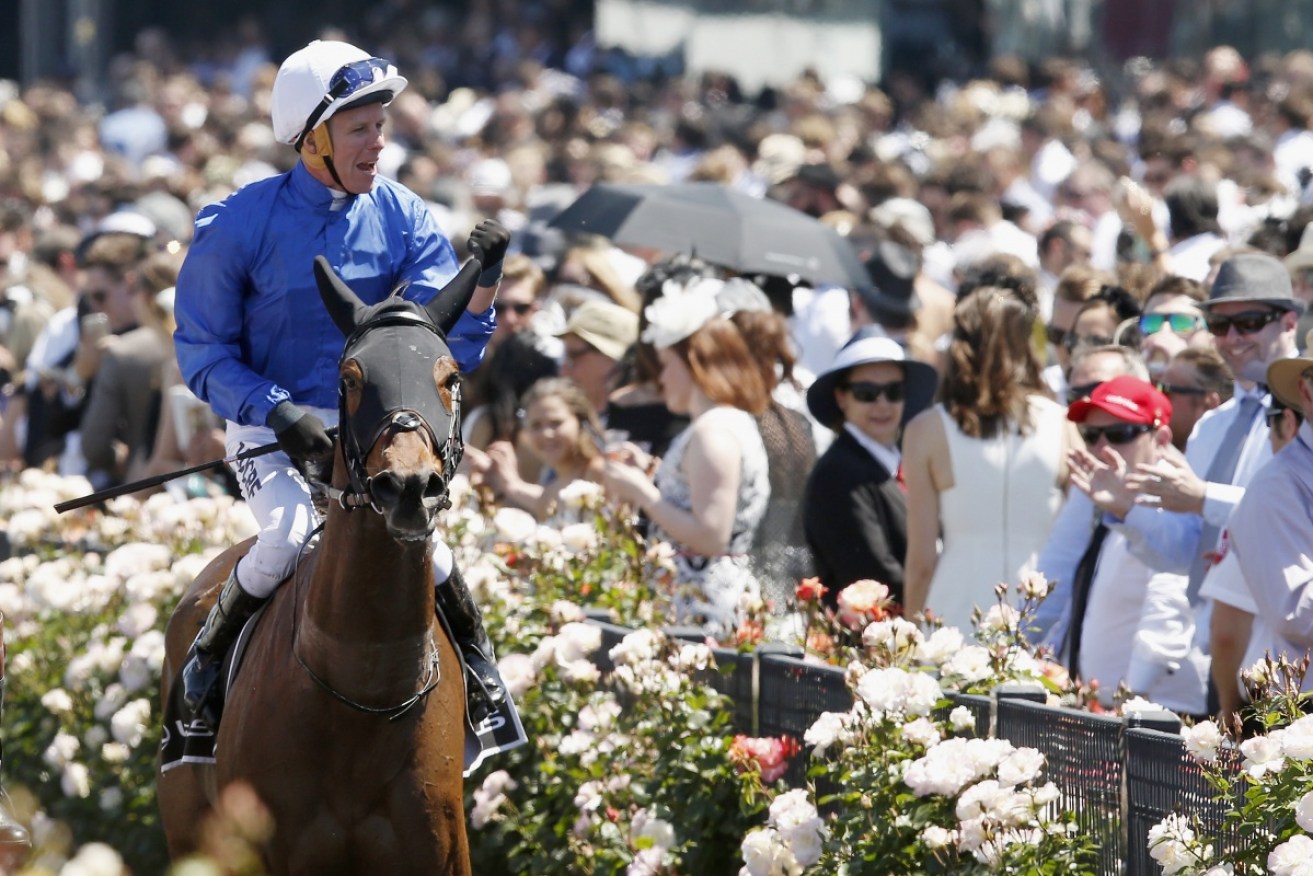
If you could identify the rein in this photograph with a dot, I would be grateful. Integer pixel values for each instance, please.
(392, 712)
(433, 672)
(359, 494)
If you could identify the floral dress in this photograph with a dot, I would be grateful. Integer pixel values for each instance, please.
(717, 584)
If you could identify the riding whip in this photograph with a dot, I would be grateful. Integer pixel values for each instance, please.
(156, 480)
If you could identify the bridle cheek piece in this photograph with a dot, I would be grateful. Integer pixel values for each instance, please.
(409, 404)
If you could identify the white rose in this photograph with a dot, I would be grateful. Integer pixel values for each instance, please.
(577, 641)
(76, 781)
(825, 731)
(129, 723)
(659, 831)
(111, 800)
(1262, 755)
(962, 719)
(57, 701)
(564, 612)
(581, 494)
(1297, 740)
(1304, 812)
(1291, 856)
(922, 732)
(579, 537)
(513, 525)
(1202, 740)
(518, 673)
(764, 855)
(61, 750)
(1020, 767)
(936, 837)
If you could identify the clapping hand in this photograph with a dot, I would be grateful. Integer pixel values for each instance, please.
(1101, 475)
(1169, 483)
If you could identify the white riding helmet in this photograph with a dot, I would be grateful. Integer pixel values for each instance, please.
(324, 77)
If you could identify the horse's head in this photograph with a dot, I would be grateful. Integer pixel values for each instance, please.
(399, 399)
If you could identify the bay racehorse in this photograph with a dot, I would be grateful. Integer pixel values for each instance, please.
(347, 717)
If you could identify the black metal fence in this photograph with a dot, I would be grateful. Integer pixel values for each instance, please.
(1121, 776)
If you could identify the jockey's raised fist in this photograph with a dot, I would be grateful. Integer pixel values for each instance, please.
(488, 244)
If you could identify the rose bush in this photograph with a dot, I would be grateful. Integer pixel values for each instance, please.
(906, 791)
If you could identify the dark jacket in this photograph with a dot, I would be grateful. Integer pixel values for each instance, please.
(856, 519)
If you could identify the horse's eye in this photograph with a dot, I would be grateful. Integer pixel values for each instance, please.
(350, 383)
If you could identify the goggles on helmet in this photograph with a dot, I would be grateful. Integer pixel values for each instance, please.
(348, 79)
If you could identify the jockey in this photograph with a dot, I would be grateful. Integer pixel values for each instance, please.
(255, 342)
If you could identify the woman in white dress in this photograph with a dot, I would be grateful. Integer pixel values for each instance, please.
(986, 467)
(712, 487)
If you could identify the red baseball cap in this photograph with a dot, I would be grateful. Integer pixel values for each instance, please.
(1126, 398)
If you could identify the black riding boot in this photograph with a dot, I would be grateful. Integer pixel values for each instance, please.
(200, 677)
(15, 841)
(483, 689)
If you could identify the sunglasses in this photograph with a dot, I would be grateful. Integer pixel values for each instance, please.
(1173, 389)
(573, 353)
(1181, 323)
(1119, 433)
(866, 392)
(348, 79)
(519, 308)
(1055, 335)
(1246, 323)
(1076, 393)
(1273, 416)
(1071, 341)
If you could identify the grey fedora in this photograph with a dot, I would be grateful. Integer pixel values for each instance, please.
(1256, 277)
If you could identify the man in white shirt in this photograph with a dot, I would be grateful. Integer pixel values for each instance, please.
(1271, 531)
(1252, 315)
(1238, 640)
(1129, 622)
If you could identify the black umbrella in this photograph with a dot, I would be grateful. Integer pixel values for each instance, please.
(719, 225)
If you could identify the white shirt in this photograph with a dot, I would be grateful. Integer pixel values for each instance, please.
(820, 325)
(889, 457)
(1131, 605)
(1293, 150)
(1189, 258)
(1272, 537)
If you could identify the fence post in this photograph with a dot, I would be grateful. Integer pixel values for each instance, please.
(1013, 690)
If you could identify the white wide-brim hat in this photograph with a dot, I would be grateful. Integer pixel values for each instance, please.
(864, 349)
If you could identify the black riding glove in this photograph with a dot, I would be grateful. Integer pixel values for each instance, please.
(300, 433)
(488, 244)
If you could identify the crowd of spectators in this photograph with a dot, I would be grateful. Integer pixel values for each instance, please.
(1037, 237)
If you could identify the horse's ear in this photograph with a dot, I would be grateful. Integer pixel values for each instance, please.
(452, 299)
(342, 304)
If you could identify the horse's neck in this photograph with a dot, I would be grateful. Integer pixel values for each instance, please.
(369, 599)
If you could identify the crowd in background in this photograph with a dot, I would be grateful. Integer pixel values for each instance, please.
(1032, 236)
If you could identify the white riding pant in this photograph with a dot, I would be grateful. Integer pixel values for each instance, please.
(280, 501)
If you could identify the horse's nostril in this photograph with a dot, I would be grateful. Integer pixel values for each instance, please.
(433, 488)
(386, 489)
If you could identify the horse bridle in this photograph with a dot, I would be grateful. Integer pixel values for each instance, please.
(356, 443)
